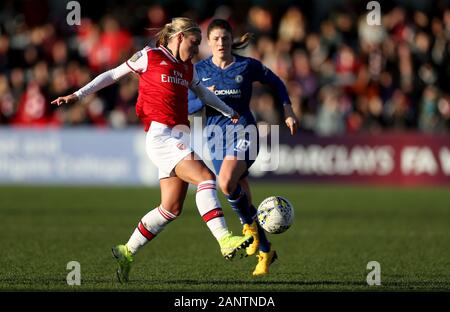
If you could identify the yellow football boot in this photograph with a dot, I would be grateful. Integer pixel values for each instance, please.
(251, 229)
(265, 259)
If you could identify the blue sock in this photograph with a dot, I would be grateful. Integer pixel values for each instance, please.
(239, 203)
(264, 244)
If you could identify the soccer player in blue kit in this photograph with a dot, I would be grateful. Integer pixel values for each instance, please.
(231, 76)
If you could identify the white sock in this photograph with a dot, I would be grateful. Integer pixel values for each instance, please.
(210, 209)
(149, 226)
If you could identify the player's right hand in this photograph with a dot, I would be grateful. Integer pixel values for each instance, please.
(68, 99)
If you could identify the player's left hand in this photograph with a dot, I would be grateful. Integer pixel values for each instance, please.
(292, 124)
(235, 117)
(291, 121)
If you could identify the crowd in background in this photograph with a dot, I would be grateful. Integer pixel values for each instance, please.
(342, 74)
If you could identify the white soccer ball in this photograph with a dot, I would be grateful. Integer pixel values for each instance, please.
(275, 214)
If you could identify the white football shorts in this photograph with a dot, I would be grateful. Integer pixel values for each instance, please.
(166, 147)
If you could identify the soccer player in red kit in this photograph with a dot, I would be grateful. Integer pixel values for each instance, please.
(165, 75)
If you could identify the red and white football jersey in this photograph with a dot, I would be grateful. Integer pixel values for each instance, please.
(163, 86)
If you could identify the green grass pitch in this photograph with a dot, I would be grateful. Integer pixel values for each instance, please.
(337, 231)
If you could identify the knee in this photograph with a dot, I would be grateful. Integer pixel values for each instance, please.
(226, 185)
(174, 208)
(208, 175)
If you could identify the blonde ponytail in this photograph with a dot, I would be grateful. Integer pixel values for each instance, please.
(163, 35)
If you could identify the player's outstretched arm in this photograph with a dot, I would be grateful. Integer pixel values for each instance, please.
(101, 81)
(264, 75)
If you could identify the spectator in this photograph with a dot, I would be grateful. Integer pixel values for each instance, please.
(430, 120)
(292, 26)
(330, 119)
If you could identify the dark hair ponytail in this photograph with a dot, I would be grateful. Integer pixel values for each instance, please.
(243, 41)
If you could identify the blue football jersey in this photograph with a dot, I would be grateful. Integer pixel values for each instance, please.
(233, 85)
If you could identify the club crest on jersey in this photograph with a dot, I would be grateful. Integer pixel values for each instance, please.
(238, 78)
(181, 146)
(136, 56)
